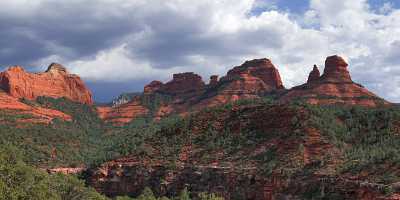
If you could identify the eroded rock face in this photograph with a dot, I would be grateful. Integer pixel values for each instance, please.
(223, 182)
(254, 79)
(56, 82)
(247, 81)
(258, 75)
(336, 70)
(335, 86)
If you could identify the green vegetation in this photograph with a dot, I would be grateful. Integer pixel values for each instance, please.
(147, 194)
(154, 101)
(21, 181)
(364, 137)
(367, 137)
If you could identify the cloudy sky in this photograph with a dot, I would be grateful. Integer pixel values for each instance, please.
(120, 45)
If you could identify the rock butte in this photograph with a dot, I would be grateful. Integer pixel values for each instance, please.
(252, 79)
(335, 86)
(187, 92)
(55, 82)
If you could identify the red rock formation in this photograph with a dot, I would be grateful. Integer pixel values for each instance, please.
(334, 87)
(152, 87)
(181, 88)
(189, 93)
(183, 83)
(314, 75)
(55, 82)
(258, 75)
(336, 70)
(247, 81)
(252, 79)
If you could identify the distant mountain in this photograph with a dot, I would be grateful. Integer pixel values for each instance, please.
(124, 98)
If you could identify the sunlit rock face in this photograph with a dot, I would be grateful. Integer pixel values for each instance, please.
(55, 82)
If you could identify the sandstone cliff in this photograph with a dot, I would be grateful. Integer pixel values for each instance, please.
(253, 79)
(250, 80)
(56, 82)
(187, 92)
(254, 76)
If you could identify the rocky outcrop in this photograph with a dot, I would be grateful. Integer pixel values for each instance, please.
(253, 77)
(55, 82)
(335, 86)
(181, 91)
(247, 81)
(336, 70)
(314, 75)
(130, 178)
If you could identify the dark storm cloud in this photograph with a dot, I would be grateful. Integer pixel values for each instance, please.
(79, 30)
(72, 30)
(172, 36)
(17, 47)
